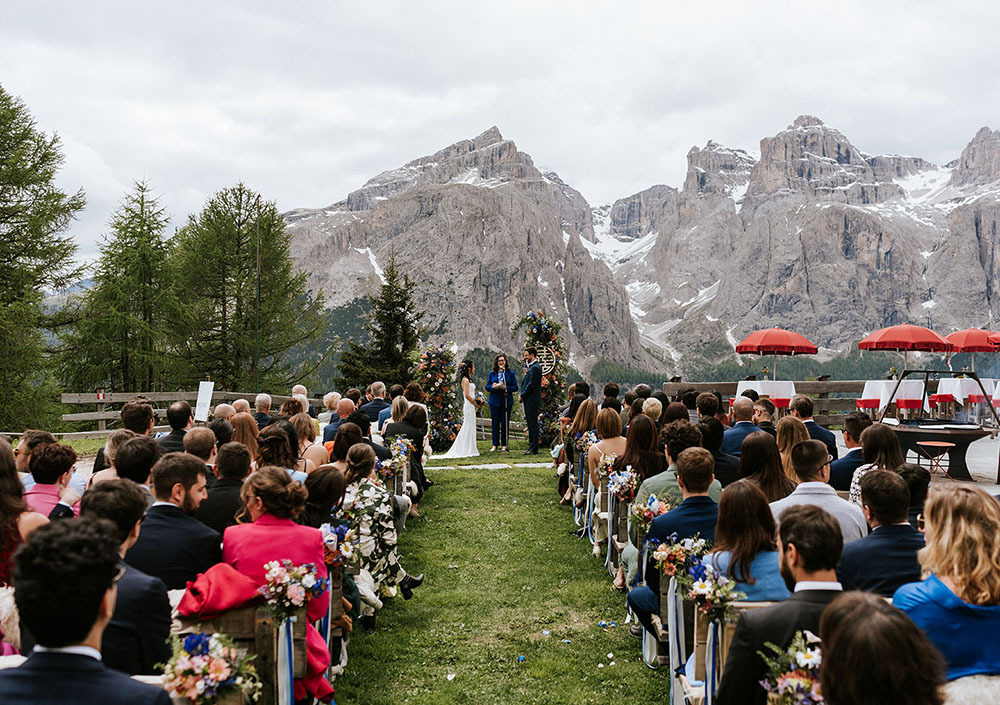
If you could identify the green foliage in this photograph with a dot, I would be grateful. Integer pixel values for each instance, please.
(216, 260)
(321, 353)
(393, 336)
(119, 339)
(609, 371)
(856, 364)
(34, 258)
(541, 331)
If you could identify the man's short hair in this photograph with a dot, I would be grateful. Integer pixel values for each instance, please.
(262, 402)
(136, 458)
(50, 461)
(815, 534)
(612, 403)
(643, 391)
(136, 416)
(707, 404)
(629, 398)
(61, 574)
(750, 394)
(856, 422)
(694, 468)
(886, 495)
(354, 394)
(711, 432)
(120, 501)
(378, 389)
(802, 404)
(612, 390)
(582, 387)
(808, 458)
(173, 468)
(531, 351)
(917, 479)
(178, 415)
(688, 397)
(233, 461)
(396, 390)
(765, 405)
(222, 430)
(33, 438)
(678, 436)
(361, 419)
(199, 442)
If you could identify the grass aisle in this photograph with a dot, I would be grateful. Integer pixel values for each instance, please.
(501, 567)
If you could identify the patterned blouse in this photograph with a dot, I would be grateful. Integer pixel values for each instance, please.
(368, 507)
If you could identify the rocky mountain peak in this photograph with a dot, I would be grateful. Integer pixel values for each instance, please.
(490, 136)
(807, 121)
(718, 169)
(980, 160)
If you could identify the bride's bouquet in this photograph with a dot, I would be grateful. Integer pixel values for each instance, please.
(480, 400)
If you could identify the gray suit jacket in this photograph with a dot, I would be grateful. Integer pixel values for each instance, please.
(849, 515)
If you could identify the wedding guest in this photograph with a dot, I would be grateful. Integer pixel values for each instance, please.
(135, 460)
(885, 559)
(51, 465)
(262, 410)
(285, 424)
(300, 391)
(200, 442)
(222, 430)
(611, 443)
(727, 467)
(745, 548)
(224, 411)
(241, 406)
(732, 439)
(180, 416)
(707, 405)
(958, 603)
(274, 448)
(918, 480)
(65, 588)
(789, 431)
(245, 431)
(136, 639)
(309, 449)
(643, 391)
(721, 414)
(330, 401)
(395, 392)
(842, 469)
(291, 407)
(354, 394)
(811, 461)
(268, 532)
(761, 465)
(17, 519)
(880, 448)
(584, 422)
(627, 401)
(173, 545)
(887, 660)
(137, 416)
(675, 411)
(653, 408)
(809, 542)
(689, 398)
(611, 400)
(361, 420)
(694, 517)
(763, 412)
(378, 402)
(676, 437)
(636, 409)
(115, 441)
(22, 456)
(412, 427)
(801, 407)
(223, 502)
(345, 407)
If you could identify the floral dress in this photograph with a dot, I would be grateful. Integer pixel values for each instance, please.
(368, 507)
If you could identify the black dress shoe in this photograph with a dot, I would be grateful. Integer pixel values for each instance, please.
(407, 584)
(368, 622)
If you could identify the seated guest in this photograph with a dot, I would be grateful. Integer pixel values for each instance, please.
(584, 421)
(224, 411)
(760, 465)
(245, 431)
(115, 441)
(732, 439)
(885, 559)
(65, 588)
(330, 401)
(721, 415)
(412, 427)
(811, 461)
(675, 411)
(181, 418)
(801, 407)
(17, 520)
(241, 406)
(223, 431)
(274, 448)
(809, 542)
(300, 392)
(873, 654)
(395, 392)
(746, 546)
(611, 400)
(676, 437)
(137, 416)
(354, 394)
(360, 419)
(750, 394)
(308, 447)
(643, 391)
(378, 402)
(200, 442)
(348, 435)
(789, 431)
(262, 409)
(285, 424)
(223, 503)
(695, 516)
(763, 412)
(727, 467)
(688, 396)
(626, 413)
(51, 465)
(345, 407)
(880, 448)
(707, 405)
(291, 407)
(611, 443)
(174, 546)
(917, 479)
(135, 460)
(653, 408)
(271, 502)
(842, 469)
(136, 639)
(22, 455)
(958, 603)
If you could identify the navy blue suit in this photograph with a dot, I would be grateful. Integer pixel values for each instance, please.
(531, 396)
(882, 561)
(695, 515)
(262, 419)
(60, 679)
(330, 430)
(136, 638)
(174, 547)
(373, 408)
(732, 438)
(842, 470)
(501, 404)
(727, 468)
(818, 433)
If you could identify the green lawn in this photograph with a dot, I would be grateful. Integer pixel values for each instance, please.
(501, 567)
(514, 455)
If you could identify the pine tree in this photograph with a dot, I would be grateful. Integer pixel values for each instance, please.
(119, 337)
(393, 328)
(34, 259)
(216, 262)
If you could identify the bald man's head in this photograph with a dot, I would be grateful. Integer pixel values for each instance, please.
(345, 407)
(743, 409)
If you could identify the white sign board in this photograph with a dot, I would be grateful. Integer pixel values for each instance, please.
(204, 403)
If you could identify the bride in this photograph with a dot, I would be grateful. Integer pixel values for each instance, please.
(465, 443)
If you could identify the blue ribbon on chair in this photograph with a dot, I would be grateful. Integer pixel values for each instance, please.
(611, 522)
(712, 661)
(675, 627)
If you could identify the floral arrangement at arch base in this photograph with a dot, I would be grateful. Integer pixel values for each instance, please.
(542, 331)
(793, 673)
(436, 376)
(205, 668)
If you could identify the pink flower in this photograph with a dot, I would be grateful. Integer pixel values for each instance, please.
(218, 669)
(297, 594)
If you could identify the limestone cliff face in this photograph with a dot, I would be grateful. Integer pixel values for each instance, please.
(486, 237)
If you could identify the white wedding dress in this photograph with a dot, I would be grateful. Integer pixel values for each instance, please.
(465, 442)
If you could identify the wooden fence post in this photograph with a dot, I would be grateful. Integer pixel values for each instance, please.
(102, 425)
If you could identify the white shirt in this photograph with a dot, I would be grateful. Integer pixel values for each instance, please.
(817, 585)
(79, 650)
(158, 503)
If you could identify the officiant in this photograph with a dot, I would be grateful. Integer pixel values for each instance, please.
(501, 384)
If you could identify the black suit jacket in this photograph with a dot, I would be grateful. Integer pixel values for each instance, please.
(768, 426)
(174, 547)
(64, 679)
(373, 407)
(818, 433)
(777, 624)
(727, 468)
(842, 470)
(223, 503)
(381, 452)
(173, 442)
(136, 638)
(882, 561)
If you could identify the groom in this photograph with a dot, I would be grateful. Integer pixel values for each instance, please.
(531, 397)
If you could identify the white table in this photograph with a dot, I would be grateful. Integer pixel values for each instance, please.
(961, 388)
(910, 391)
(779, 391)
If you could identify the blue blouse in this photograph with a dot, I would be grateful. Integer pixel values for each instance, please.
(768, 584)
(966, 635)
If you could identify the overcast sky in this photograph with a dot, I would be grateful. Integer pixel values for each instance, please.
(305, 101)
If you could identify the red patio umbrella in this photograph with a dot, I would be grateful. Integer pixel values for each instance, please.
(903, 338)
(775, 341)
(972, 340)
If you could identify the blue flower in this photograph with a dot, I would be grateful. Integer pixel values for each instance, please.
(698, 571)
(196, 644)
